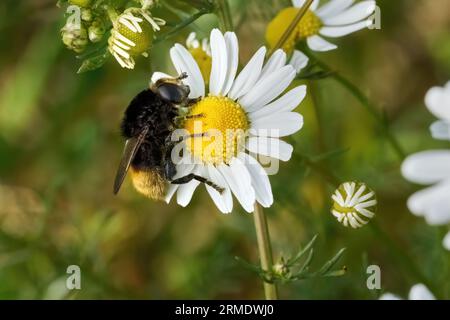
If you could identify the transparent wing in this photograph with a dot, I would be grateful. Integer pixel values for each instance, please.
(131, 147)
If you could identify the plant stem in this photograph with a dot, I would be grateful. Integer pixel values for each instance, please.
(224, 14)
(303, 10)
(361, 97)
(265, 250)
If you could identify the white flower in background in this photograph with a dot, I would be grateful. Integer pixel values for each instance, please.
(132, 35)
(337, 18)
(437, 101)
(354, 204)
(246, 103)
(432, 168)
(417, 292)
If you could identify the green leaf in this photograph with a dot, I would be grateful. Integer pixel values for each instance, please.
(330, 264)
(249, 266)
(302, 252)
(94, 62)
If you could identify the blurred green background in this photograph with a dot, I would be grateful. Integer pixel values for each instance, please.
(60, 145)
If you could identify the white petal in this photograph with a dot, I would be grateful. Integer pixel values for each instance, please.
(239, 180)
(260, 180)
(318, 43)
(184, 62)
(341, 31)
(446, 241)
(300, 3)
(271, 147)
(433, 203)
(224, 201)
(427, 167)
(249, 75)
(268, 88)
(389, 296)
(170, 192)
(276, 61)
(159, 75)
(333, 8)
(420, 292)
(437, 101)
(219, 62)
(356, 13)
(440, 130)
(233, 61)
(298, 60)
(185, 192)
(278, 125)
(285, 103)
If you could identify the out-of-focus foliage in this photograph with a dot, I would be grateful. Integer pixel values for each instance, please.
(60, 144)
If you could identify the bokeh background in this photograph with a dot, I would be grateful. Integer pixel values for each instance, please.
(60, 145)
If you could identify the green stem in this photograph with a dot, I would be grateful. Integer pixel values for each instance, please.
(182, 25)
(365, 102)
(303, 10)
(224, 14)
(265, 250)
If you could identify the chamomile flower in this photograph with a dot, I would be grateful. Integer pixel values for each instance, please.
(354, 204)
(132, 35)
(337, 18)
(418, 292)
(432, 167)
(201, 51)
(246, 115)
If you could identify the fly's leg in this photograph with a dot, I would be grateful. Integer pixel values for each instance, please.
(188, 178)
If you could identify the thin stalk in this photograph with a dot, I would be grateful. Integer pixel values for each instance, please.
(303, 10)
(224, 14)
(365, 102)
(265, 250)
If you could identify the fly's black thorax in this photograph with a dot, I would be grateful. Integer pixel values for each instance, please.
(148, 110)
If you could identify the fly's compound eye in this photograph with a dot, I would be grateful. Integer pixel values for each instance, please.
(173, 93)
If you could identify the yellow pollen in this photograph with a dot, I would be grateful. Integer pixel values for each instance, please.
(203, 60)
(310, 25)
(223, 124)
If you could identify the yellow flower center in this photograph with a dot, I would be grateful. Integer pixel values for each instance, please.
(142, 40)
(203, 60)
(308, 26)
(219, 126)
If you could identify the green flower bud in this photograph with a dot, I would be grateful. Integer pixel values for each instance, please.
(75, 37)
(87, 15)
(280, 268)
(96, 30)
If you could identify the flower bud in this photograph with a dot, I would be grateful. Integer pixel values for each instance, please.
(354, 204)
(87, 15)
(96, 30)
(75, 37)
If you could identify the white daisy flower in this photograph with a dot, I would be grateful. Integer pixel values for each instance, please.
(354, 204)
(417, 292)
(433, 167)
(437, 101)
(132, 35)
(236, 104)
(337, 18)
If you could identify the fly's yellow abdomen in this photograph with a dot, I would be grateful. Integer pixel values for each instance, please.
(149, 182)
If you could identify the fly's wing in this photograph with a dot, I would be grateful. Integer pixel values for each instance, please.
(131, 147)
